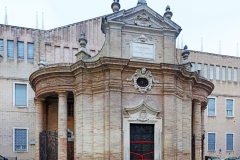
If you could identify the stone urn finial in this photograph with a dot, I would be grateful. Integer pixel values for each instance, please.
(82, 54)
(168, 12)
(185, 54)
(115, 6)
(41, 63)
(82, 40)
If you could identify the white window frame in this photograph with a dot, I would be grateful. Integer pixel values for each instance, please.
(215, 107)
(215, 141)
(14, 83)
(226, 107)
(226, 141)
(14, 128)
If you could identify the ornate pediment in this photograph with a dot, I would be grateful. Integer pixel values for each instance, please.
(144, 16)
(142, 112)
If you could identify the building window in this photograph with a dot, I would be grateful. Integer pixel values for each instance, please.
(229, 73)
(30, 51)
(211, 107)
(223, 73)
(211, 141)
(20, 50)
(205, 70)
(10, 49)
(229, 142)
(211, 72)
(199, 69)
(235, 74)
(1, 45)
(217, 72)
(20, 94)
(229, 107)
(193, 67)
(20, 139)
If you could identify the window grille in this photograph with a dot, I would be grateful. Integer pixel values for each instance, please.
(20, 94)
(30, 51)
(70, 109)
(1, 45)
(211, 141)
(229, 107)
(20, 50)
(10, 49)
(211, 107)
(20, 140)
(229, 142)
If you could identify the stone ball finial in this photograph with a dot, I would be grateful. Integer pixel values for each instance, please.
(185, 54)
(82, 40)
(115, 6)
(168, 12)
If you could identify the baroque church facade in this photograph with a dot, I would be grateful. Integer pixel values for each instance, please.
(117, 92)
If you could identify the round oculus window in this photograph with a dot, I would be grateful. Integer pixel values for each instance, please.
(142, 82)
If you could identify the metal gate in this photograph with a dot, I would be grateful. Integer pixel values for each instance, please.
(141, 141)
(70, 150)
(193, 147)
(48, 145)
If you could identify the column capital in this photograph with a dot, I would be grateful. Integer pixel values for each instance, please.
(38, 100)
(196, 101)
(62, 93)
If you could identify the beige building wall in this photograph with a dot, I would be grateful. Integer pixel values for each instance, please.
(57, 45)
(220, 124)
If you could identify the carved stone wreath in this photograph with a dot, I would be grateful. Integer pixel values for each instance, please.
(142, 80)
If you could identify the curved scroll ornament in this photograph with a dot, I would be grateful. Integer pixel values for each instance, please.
(142, 80)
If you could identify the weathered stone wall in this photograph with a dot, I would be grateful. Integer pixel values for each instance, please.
(220, 124)
(55, 46)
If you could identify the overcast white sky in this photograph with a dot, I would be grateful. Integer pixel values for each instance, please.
(212, 20)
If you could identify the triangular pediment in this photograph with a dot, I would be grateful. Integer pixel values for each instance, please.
(143, 16)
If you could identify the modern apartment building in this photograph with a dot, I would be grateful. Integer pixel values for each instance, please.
(23, 49)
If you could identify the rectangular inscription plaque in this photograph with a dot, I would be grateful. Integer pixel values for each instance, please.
(143, 51)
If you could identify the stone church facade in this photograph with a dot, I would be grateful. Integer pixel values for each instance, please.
(125, 96)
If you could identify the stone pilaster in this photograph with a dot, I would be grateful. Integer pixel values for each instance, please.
(197, 128)
(39, 124)
(203, 127)
(62, 125)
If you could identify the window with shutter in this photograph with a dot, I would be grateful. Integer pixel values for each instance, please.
(211, 141)
(229, 107)
(30, 51)
(211, 107)
(20, 50)
(1, 45)
(10, 49)
(229, 145)
(20, 94)
(20, 139)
